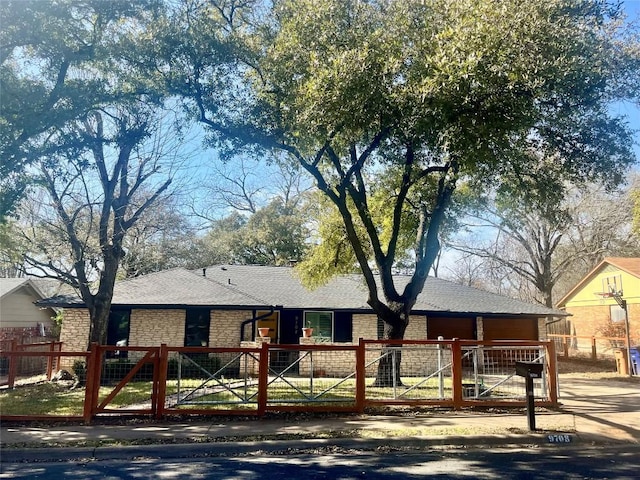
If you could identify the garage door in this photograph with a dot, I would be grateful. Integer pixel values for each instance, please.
(463, 328)
(510, 329)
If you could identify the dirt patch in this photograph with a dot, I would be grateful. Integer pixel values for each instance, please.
(598, 370)
(577, 365)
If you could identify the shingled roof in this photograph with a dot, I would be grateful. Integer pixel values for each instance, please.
(254, 286)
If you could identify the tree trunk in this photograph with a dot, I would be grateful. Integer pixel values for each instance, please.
(99, 315)
(388, 374)
(101, 302)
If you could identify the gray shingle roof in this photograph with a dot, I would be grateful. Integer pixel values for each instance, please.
(179, 287)
(253, 286)
(280, 286)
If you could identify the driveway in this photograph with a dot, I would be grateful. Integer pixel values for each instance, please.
(605, 408)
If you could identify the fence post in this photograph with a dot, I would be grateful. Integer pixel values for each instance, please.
(13, 364)
(263, 378)
(92, 382)
(565, 346)
(361, 376)
(161, 379)
(456, 372)
(50, 361)
(594, 353)
(552, 371)
(58, 349)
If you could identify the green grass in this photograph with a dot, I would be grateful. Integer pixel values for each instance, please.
(58, 400)
(42, 399)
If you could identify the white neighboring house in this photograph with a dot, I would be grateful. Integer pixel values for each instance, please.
(19, 316)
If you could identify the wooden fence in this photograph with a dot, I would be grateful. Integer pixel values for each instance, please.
(32, 363)
(594, 347)
(253, 380)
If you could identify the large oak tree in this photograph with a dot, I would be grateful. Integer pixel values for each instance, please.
(421, 93)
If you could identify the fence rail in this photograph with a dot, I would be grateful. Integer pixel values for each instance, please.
(574, 345)
(14, 367)
(160, 381)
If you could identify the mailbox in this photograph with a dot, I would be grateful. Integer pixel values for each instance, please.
(529, 369)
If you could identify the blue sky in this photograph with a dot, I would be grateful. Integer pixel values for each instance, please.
(632, 8)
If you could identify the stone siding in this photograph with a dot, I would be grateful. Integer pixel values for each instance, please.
(225, 327)
(417, 328)
(419, 360)
(74, 334)
(364, 326)
(151, 328)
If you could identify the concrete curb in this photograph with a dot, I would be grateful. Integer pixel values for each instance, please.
(182, 450)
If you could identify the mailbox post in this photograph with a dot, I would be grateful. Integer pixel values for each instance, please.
(530, 370)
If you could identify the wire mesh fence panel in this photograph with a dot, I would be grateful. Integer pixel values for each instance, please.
(127, 382)
(489, 373)
(212, 379)
(408, 372)
(318, 377)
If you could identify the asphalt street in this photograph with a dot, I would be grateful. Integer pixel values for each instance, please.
(619, 462)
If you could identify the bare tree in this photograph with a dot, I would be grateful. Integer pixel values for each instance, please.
(96, 181)
(245, 185)
(528, 249)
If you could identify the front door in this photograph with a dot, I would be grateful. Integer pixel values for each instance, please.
(270, 322)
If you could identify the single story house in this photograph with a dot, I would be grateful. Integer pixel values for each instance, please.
(593, 305)
(19, 316)
(223, 305)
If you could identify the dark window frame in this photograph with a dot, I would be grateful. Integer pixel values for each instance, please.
(197, 327)
(115, 334)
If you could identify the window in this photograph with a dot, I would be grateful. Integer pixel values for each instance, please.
(196, 332)
(118, 331)
(616, 313)
(322, 324)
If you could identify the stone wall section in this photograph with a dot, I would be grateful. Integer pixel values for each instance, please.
(224, 330)
(421, 360)
(74, 334)
(249, 365)
(151, 328)
(364, 326)
(417, 328)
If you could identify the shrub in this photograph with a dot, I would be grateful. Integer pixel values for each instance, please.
(194, 366)
(115, 371)
(612, 330)
(80, 371)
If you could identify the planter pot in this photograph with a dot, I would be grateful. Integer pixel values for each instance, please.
(263, 331)
(307, 332)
